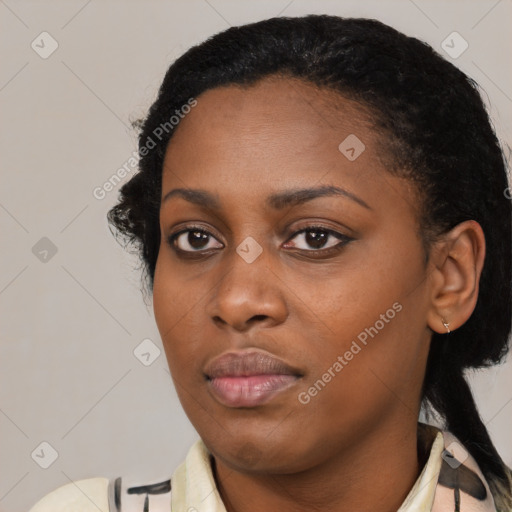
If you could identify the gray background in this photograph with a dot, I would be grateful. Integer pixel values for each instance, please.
(71, 322)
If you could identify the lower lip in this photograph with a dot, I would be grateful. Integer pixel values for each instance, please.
(249, 391)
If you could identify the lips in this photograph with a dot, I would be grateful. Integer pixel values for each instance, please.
(248, 378)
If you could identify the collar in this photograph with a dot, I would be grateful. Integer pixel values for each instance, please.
(193, 484)
(194, 488)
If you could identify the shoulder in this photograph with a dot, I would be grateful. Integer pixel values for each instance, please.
(106, 495)
(86, 495)
(459, 470)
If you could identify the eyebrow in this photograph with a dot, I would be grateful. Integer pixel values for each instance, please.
(276, 201)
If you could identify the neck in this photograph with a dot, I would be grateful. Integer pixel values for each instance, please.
(374, 474)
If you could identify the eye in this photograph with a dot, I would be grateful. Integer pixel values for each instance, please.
(193, 240)
(318, 238)
(313, 239)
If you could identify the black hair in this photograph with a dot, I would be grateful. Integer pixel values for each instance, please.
(437, 133)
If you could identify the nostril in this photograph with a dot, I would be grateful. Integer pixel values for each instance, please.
(218, 320)
(259, 317)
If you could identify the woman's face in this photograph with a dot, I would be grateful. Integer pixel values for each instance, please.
(333, 285)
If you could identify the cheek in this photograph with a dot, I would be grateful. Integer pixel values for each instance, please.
(358, 378)
(178, 305)
(164, 300)
(173, 297)
(170, 304)
(371, 316)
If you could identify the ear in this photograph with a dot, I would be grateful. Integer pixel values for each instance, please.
(457, 260)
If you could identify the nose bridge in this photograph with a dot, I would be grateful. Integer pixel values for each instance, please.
(249, 252)
(245, 288)
(246, 271)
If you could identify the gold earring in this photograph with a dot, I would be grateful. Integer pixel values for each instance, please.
(446, 325)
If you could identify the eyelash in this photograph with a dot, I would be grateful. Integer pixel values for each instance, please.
(344, 240)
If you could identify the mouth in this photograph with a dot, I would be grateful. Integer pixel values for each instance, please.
(248, 378)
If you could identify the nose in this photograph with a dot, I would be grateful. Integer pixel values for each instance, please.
(247, 294)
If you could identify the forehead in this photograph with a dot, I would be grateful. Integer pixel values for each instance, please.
(278, 124)
(245, 144)
(275, 102)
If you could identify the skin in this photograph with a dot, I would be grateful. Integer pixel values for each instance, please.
(353, 446)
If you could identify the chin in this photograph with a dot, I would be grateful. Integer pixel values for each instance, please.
(248, 454)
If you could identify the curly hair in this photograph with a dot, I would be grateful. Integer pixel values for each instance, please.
(438, 135)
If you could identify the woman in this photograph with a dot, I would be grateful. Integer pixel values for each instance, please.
(322, 214)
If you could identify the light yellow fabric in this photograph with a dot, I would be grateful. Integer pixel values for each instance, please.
(194, 489)
(88, 495)
(193, 484)
(445, 495)
(421, 496)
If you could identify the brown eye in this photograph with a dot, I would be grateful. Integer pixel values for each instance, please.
(193, 240)
(316, 238)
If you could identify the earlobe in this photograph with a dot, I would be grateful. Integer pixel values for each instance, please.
(457, 264)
